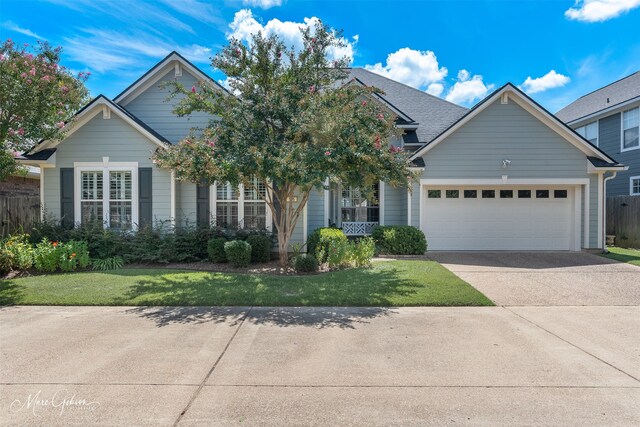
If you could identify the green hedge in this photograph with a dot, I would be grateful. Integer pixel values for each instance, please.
(238, 253)
(399, 240)
(305, 263)
(260, 247)
(215, 249)
(319, 241)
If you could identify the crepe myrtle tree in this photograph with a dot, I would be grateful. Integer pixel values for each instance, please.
(293, 121)
(37, 97)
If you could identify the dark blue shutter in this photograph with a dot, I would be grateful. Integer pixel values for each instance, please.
(145, 202)
(66, 197)
(202, 204)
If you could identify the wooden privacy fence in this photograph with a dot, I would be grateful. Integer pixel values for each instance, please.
(623, 220)
(18, 213)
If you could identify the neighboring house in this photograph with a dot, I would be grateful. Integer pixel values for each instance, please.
(505, 175)
(27, 184)
(610, 119)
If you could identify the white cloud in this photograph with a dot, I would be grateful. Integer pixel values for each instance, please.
(15, 27)
(263, 4)
(107, 50)
(467, 89)
(244, 25)
(412, 67)
(599, 10)
(548, 81)
(435, 89)
(200, 11)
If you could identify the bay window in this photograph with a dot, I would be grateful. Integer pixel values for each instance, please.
(114, 206)
(630, 128)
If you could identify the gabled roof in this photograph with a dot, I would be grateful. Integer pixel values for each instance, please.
(522, 99)
(130, 92)
(610, 96)
(430, 113)
(85, 114)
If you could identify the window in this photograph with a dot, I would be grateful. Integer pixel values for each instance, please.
(560, 194)
(524, 194)
(227, 206)
(634, 185)
(433, 194)
(355, 207)
(470, 194)
(589, 132)
(488, 194)
(91, 203)
(107, 194)
(255, 208)
(506, 194)
(452, 194)
(120, 200)
(542, 194)
(630, 126)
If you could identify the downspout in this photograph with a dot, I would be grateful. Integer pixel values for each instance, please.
(604, 212)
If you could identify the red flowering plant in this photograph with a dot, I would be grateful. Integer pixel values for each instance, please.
(37, 97)
(292, 119)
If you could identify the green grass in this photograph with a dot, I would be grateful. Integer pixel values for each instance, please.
(387, 283)
(630, 256)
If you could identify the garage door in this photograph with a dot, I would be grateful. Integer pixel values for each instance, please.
(498, 218)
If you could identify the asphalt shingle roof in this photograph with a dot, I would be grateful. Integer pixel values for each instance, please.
(432, 113)
(606, 97)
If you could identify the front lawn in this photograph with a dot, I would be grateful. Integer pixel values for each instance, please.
(630, 256)
(387, 283)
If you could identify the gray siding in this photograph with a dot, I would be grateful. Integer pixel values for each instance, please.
(609, 140)
(186, 199)
(395, 205)
(113, 138)
(415, 204)
(507, 131)
(315, 211)
(152, 108)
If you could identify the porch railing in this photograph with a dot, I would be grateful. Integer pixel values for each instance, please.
(358, 228)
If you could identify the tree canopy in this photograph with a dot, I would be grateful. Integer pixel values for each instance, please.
(37, 97)
(292, 119)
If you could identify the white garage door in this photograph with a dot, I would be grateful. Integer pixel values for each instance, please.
(498, 218)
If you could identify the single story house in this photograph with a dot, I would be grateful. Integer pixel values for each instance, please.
(609, 118)
(504, 175)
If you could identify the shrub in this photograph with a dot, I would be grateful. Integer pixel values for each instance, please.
(337, 254)
(16, 253)
(361, 252)
(305, 263)
(215, 249)
(260, 247)
(399, 240)
(238, 253)
(72, 255)
(111, 263)
(319, 240)
(46, 257)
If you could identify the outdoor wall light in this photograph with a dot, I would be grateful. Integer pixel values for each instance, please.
(505, 163)
(295, 199)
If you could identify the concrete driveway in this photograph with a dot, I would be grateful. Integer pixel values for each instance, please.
(320, 366)
(546, 278)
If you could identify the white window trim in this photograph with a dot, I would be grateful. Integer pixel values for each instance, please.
(213, 205)
(622, 149)
(105, 167)
(597, 123)
(631, 179)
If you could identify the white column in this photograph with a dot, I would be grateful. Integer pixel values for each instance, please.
(173, 199)
(408, 206)
(241, 205)
(41, 193)
(381, 202)
(326, 202)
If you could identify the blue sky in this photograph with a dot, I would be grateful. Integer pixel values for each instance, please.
(555, 50)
